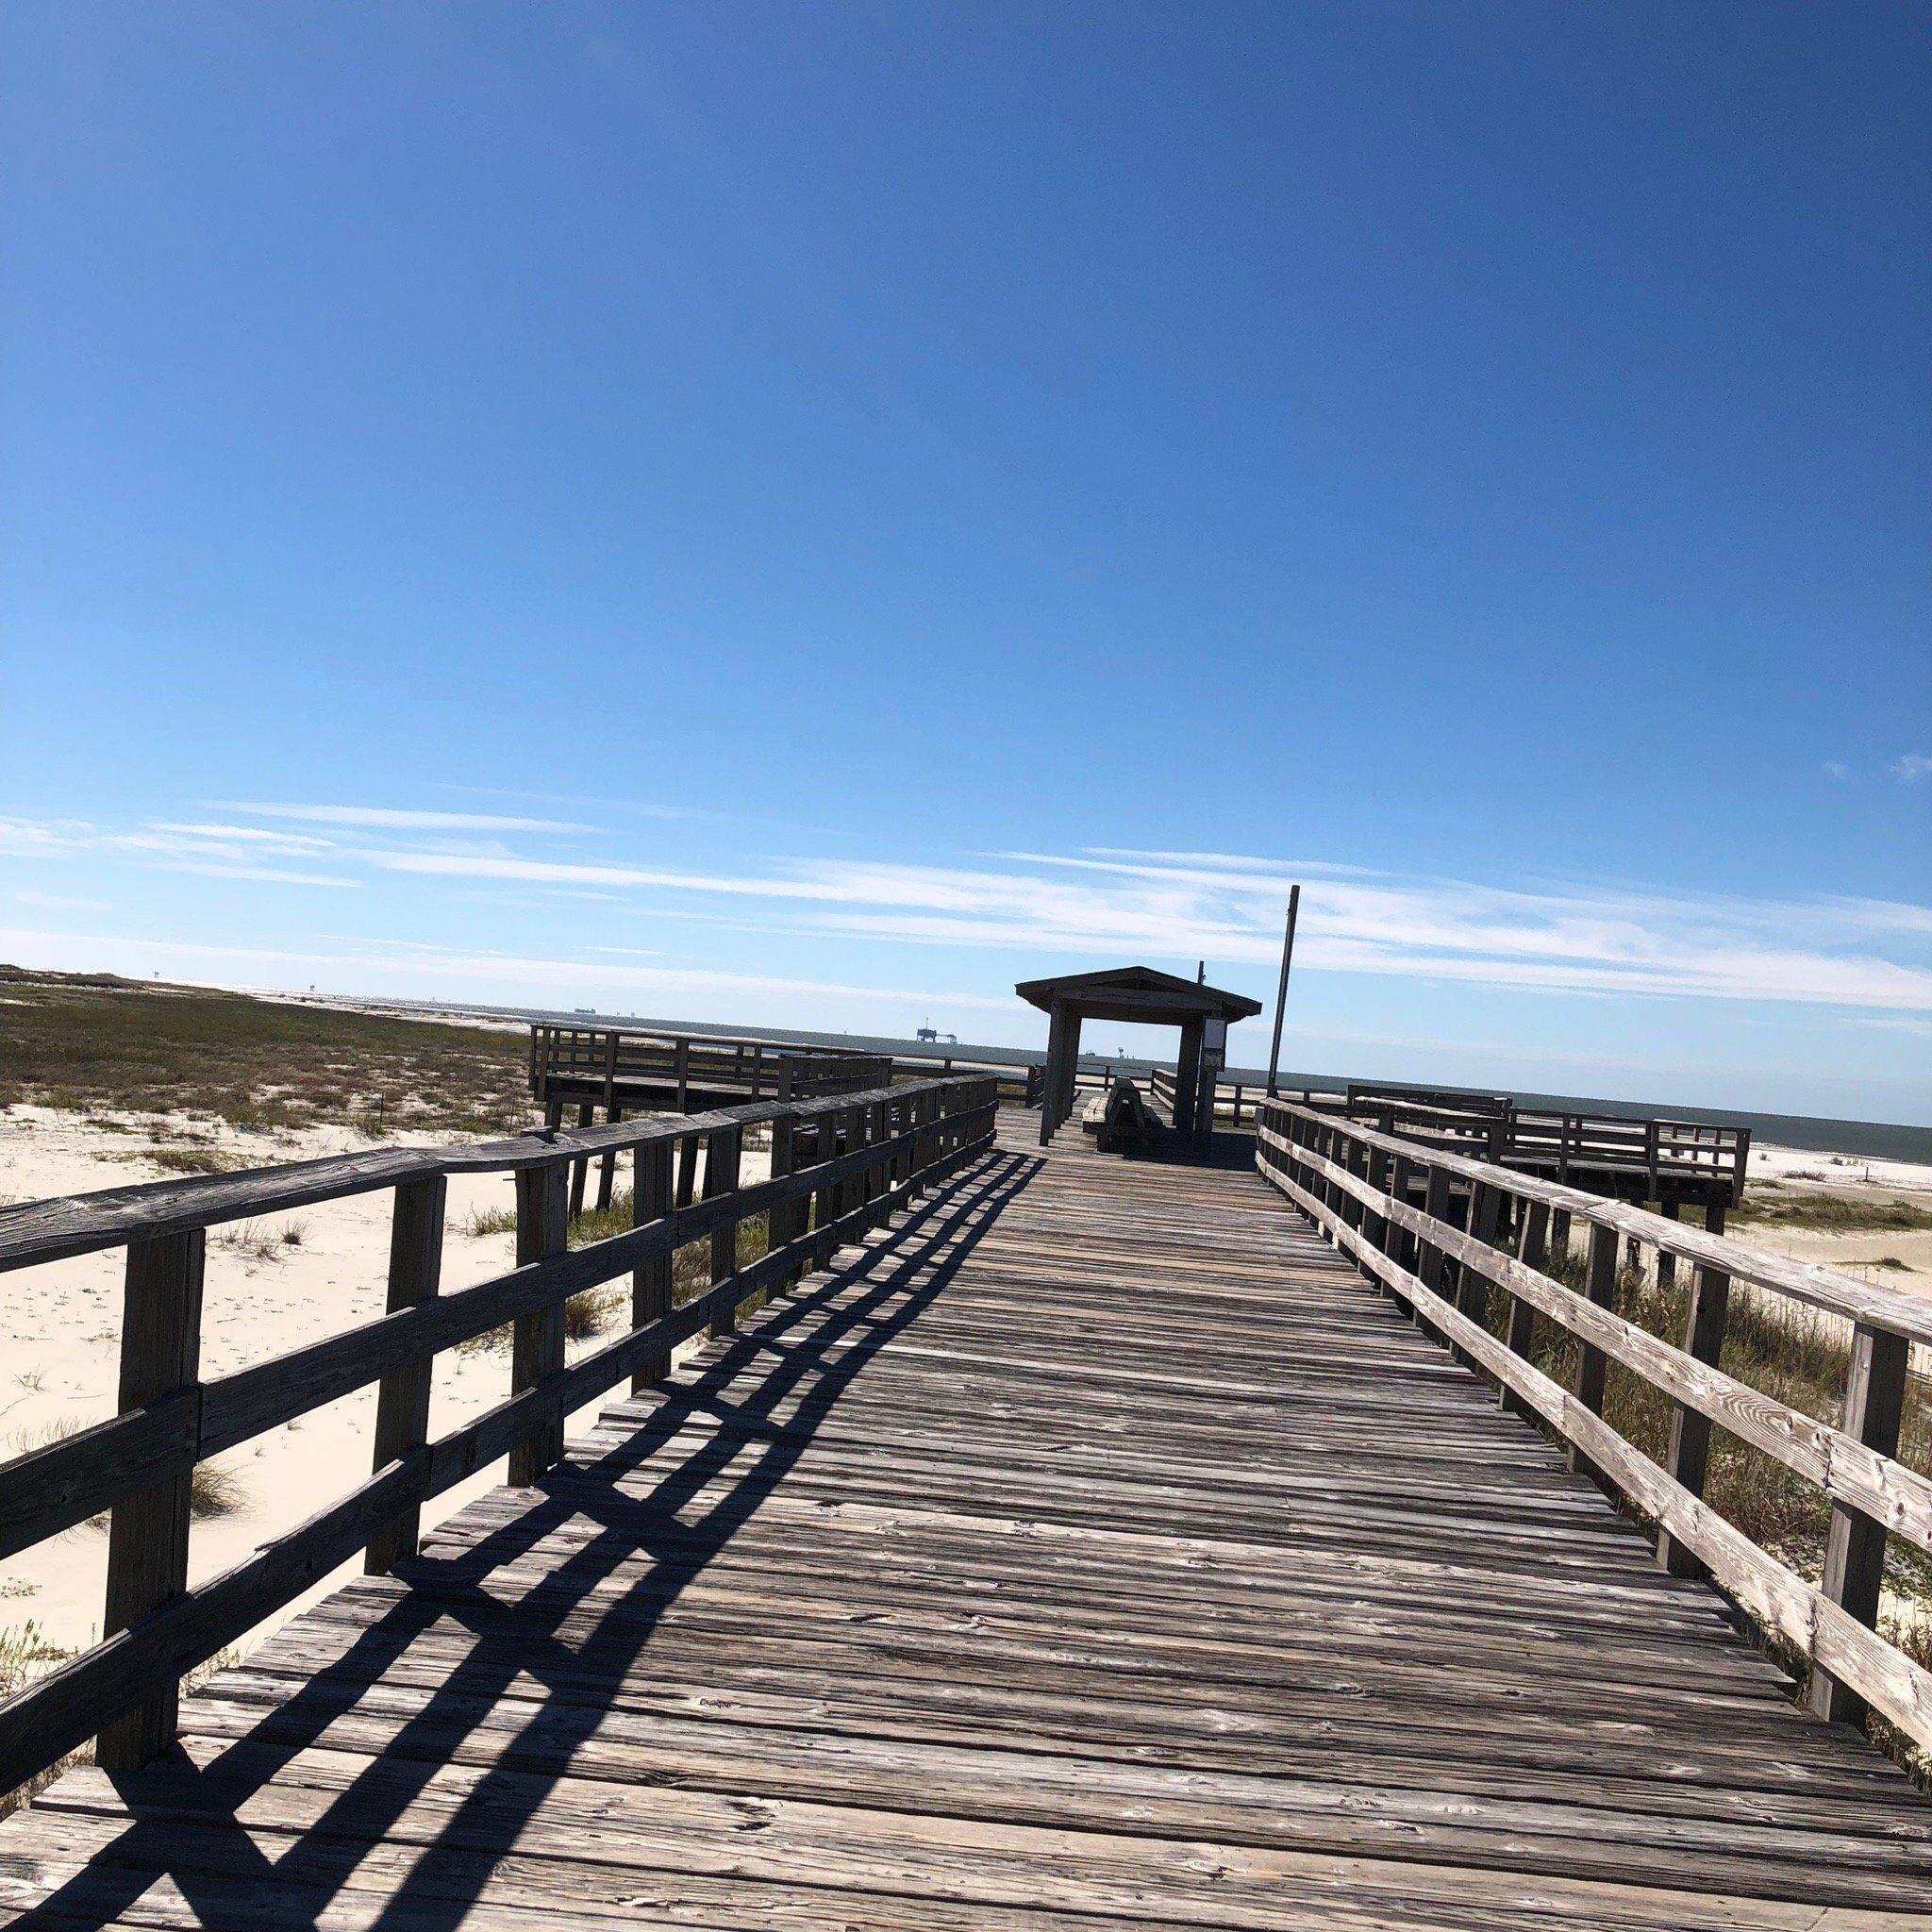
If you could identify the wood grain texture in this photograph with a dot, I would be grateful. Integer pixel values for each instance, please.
(1837, 1638)
(1090, 1546)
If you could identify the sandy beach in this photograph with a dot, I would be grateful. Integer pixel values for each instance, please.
(1890, 1257)
(271, 1285)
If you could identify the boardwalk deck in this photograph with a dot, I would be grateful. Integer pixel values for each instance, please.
(1093, 1548)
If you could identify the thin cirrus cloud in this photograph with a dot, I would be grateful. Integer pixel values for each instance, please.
(438, 970)
(1106, 904)
(1564, 938)
(386, 818)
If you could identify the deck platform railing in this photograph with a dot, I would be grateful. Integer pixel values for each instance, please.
(1675, 1162)
(1442, 1231)
(840, 1165)
(611, 1066)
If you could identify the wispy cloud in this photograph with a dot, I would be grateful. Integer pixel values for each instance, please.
(629, 807)
(256, 836)
(209, 851)
(1561, 939)
(436, 972)
(1912, 767)
(43, 838)
(57, 902)
(1169, 908)
(264, 875)
(389, 818)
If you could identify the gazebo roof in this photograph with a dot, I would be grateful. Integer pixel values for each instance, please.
(1137, 994)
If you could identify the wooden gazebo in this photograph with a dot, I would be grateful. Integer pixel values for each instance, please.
(1140, 995)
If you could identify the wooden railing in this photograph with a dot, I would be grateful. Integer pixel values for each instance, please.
(1235, 1101)
(602, 1062)
(839, 1166)
(1650, 1160)
(1482, 1228)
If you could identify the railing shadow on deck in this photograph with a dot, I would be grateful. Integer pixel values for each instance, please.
(172, 1802)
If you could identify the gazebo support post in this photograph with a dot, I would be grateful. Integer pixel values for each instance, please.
(1069, 1066)
(1050, 1076)
(1187, 1078)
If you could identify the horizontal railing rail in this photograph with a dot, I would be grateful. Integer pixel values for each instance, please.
(1665, 1155)
(601, 1062)
(1481, 1228)
(840, 1165)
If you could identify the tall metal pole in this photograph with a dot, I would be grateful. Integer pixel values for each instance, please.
(1294, 902)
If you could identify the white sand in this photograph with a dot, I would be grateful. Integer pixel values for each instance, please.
(60, 1342)
(1856, 1178)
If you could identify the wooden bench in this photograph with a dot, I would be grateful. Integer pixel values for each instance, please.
(1120, 1114)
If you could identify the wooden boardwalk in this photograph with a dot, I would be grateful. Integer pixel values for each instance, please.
(1093, 1549)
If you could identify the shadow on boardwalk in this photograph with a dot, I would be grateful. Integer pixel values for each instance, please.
(184, 1815)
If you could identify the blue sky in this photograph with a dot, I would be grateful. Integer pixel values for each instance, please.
(810, 513)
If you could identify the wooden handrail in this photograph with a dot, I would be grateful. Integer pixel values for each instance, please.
(1908, 1316)
(595, 1062)
(1355, 1184)
(847, 1162)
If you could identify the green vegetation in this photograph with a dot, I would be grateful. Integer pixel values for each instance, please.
(25, 1655)
(211, 1491)
(1766, 1205)
(595, 1309)
(1788, 1352)
(189, 1159)
(92, 1041)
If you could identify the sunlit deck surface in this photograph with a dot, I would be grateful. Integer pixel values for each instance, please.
(1092, 1549)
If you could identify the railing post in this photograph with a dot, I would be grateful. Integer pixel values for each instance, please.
(1591, 1362)
(1854, 1544)
(580, 1167)
(722, 1151)
(825, 1201)
(1403, 1246)
(1666, 1261)
(609, 1168)
(918, 1120)
(1430, 1265)
(1532, 1247)
(1472, 1285)
(402, 1403)
(607, 1174)
(650, 1281)
(787, 1218)
(878, 1174)
(147, 1534)
(1704, 1338)
(537, 1338)
(680, 1071)
(1376, 1227)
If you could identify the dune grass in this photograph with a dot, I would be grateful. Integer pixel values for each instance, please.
(25, 1655)
(1766, 1205)
(596, 1309)
(93, 1041)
